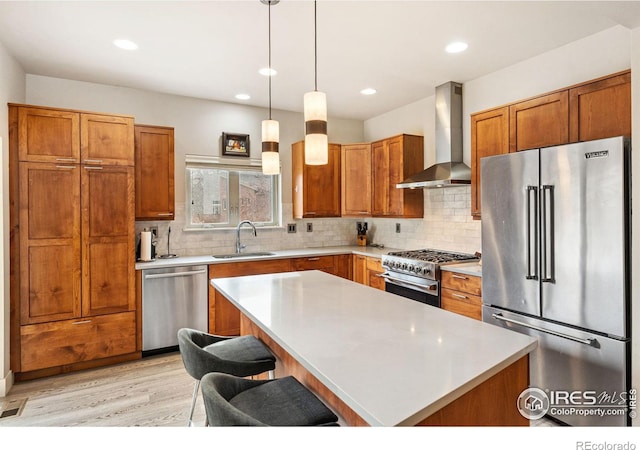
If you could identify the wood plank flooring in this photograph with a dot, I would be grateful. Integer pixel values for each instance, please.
(154, 391)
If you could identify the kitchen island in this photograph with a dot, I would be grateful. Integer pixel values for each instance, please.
(383, 360)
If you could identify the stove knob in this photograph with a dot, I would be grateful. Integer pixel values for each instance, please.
(418, 269)
(403, 266)
(410, 268)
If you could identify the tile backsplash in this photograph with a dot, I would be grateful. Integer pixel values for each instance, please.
(447, 225)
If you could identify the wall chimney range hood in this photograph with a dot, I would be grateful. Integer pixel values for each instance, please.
(449, 169)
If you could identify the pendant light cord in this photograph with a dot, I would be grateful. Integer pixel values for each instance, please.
(270, 68)
(315, 41)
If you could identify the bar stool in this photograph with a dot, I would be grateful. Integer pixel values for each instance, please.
(203, 353)
(234, 401)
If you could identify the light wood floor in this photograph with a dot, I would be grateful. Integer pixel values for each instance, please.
(154, 391)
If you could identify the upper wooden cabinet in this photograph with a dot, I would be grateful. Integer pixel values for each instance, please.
(393, 160)
(595, 109)
(356, 180)
(539, 122)
(601, 109)
(316, 189)
(106, 139)
(48, 135)
(155, 165)
(489, 137)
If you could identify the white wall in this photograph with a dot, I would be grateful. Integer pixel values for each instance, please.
(12, 89)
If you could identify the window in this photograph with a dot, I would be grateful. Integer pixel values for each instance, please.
(222, 194)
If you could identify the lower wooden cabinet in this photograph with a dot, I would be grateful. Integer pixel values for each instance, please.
(65, 342)
(367, 270)
(462, 294)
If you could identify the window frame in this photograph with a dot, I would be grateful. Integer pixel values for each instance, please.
(213, 162)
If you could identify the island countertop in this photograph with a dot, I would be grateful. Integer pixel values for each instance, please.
(392, 360)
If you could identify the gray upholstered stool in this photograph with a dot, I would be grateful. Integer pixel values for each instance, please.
(230, 401)
(203, 353)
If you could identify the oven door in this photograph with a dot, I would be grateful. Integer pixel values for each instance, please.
(414, 288)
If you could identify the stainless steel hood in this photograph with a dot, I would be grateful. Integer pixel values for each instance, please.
(449, 169)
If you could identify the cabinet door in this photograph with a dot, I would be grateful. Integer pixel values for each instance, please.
(374, 269)
(107, 139)
(108, 239)
(489, 137)
(380, 178)
(601, 109)
(46, 135)
(316, 189)
(155, 190)
(342, 266)
(356, 180)
(49, 196)
(539, 122)
(360, 269)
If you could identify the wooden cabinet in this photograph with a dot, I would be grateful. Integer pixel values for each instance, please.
(489, 137)
(595, 109)
(316, 189)
(393, 160)
(366, 270)
(462, 294)
(72, 237)
(356, 180)
(155, 165)
(601, 109)
(539, 122)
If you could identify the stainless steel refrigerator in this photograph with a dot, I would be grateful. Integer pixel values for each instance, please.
(556, 266)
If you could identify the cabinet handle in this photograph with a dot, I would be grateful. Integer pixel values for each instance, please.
(459, 277)
(313, 259)
(165, 214)
(65, 159)
(458, 295)
(65, 167)
(93, 161)
(80, 322)
(93, 167)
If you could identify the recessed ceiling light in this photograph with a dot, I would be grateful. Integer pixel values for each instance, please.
(267, 72)
(456, 47)
(125, 44)
(368, 91)
(243, 96)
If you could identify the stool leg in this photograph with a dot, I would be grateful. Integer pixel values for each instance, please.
(272, 374)
(196, 387)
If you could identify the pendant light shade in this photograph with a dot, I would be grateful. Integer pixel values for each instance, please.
(270, 127)
(316, 142)
(270, 144)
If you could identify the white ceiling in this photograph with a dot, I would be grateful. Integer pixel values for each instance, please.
(213, 49)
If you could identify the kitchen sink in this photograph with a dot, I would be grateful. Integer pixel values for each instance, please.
(243, 255)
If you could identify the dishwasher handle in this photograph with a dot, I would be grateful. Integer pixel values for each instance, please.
(174, 275)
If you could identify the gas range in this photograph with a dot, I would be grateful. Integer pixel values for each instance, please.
(423, 263)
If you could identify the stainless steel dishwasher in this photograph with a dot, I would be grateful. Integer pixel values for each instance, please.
(172, 298)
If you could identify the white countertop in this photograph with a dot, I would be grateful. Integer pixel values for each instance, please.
(278, 254)
(392, 360)
(468, 268)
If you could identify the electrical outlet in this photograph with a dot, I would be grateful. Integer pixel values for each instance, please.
(309, 227)
(291, 228)
(397, 228)
(154, 232)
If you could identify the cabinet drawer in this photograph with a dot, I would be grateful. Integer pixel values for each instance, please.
(461, 282)
(462, 303)
(69, 341)
(374, 264)
(312, 263)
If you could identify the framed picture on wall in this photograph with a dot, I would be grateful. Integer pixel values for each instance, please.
(234, 144)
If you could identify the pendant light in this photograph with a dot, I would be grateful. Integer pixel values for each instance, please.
(270, 127)
(316, 142)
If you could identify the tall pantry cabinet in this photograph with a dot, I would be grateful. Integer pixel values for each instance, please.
(72, 239)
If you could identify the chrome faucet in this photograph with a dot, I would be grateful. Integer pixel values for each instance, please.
(239, 246)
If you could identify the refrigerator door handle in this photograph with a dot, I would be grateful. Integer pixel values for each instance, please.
(590, 342)
(532, 275)
(548, 257)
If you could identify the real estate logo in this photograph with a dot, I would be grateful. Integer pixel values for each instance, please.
(533, 403)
